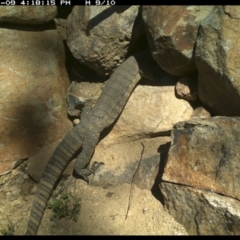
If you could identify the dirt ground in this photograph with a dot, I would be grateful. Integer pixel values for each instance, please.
(102, 211)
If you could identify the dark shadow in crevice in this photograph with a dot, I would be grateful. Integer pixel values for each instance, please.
(64, 11)
(156, 192)
(69, 58)
(29, 28)
(81, 73)
(138, 41)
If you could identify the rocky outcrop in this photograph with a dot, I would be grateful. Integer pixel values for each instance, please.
(100, 37)
(218, 60)
(204, 155)
(33, 86)
(27, 15)
(172, 33)
(200, 183)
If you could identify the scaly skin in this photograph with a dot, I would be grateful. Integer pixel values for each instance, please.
(86, 134)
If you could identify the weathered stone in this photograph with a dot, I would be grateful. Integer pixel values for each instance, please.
(200, 112)
(30, 15)
(202, 212)
(33, 85)
(97, 41)
(124, 162)
(172, 33)
(150, 111)
(186, 88)
(218, 60)
(38, 162)
(205, 154)
(82, 93)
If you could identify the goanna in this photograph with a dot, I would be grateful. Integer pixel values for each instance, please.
(85, 135)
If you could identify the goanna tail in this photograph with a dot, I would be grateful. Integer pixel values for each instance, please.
(63, 153)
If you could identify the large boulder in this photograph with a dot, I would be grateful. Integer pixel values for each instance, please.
(27, 15)
(33, 84)
(218, 61)
(172, 32)
(100, 37)
(204, 155)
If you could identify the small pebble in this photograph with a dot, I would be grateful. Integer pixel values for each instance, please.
(25, 176)
(76, 121)
(144, 210)
(19, 180)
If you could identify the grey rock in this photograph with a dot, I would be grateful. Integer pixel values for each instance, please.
(202, 212)
(19, 180)
(218, 59)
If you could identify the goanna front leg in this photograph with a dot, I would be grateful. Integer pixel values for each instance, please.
(89, 143)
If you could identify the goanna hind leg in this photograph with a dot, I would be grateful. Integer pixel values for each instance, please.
(83, 159)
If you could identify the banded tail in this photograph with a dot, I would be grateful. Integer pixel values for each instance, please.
(61, 156)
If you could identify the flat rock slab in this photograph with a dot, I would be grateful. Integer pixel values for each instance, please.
(129, 161)
(150, 111)
(205, 154)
